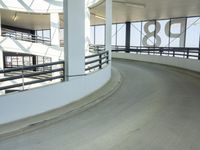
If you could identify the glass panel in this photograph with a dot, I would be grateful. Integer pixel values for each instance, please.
(92, 35)
(20, 61)
(135, 34)
(62, 37)
(40, 60)
(148, 33)
(31, 60)
(193, 32)
(100, 35)
(162, 35)
(8, 62)
(177, 32)
(47, 60)
(46, 34)
(26, 61)
(14, 61)
(121, 32)
(39, 33)
(114, 34)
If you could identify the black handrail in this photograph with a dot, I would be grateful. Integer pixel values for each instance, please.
(27, 72)
(30, 67)
(27, 37)
(96, 61)
(188, 53)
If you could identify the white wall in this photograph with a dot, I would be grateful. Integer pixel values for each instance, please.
(193, 65)
(18, 46)
(33, 102)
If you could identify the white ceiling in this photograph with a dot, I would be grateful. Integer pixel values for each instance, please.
(25, 20)
(154, 9)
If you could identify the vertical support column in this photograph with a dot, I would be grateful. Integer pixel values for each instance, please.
(74, 38)
(128, 36)
(1, 68)
(0, 24)
(87, 27)
(1, 60)
(55, 29)
(109, 27)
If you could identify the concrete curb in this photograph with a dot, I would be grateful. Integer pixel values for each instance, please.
(51, 117)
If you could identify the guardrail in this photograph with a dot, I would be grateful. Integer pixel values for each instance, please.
(26, 37)
(18, 79)
(26, 75)
(188, 53)
(97, 48)
(96, 61)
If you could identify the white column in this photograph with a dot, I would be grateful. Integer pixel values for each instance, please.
(0, 24)
(55, 29)
(1, 60)
(87, 27)
(74, 38)
(108, 26)
(1, 68)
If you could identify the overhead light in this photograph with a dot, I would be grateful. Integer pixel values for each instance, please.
(98, 16)
(129, 4)
(135, 5)
(15, 17)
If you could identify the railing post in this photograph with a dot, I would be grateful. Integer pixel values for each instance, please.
(161, 51)
(100, 61)
(187, 53)
(173, 52)
(199, 54)
(23, 78)
(107, 58)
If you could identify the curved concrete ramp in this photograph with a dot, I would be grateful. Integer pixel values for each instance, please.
(156, 108)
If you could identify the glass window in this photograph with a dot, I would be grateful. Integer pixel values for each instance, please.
(100, 35)
(121, 33)
(177, 32)
(148, 33)
(62, 37)
(193, 32)
(46, 34)
(62, 34)
(162, 38)
(92, 35)
(39, 34)
(20, 61)
(135, 34)
(40, 60)
(114, 34)
(8, 62)
(14, 61)
(26, 61)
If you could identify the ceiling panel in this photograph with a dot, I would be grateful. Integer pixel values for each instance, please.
(154, 9)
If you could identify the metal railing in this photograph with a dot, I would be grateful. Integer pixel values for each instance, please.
(26, 75)
(96, 48)
(188, 53)
(26, 37)
(96, 61)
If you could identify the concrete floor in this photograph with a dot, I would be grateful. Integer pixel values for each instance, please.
(156, 108)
